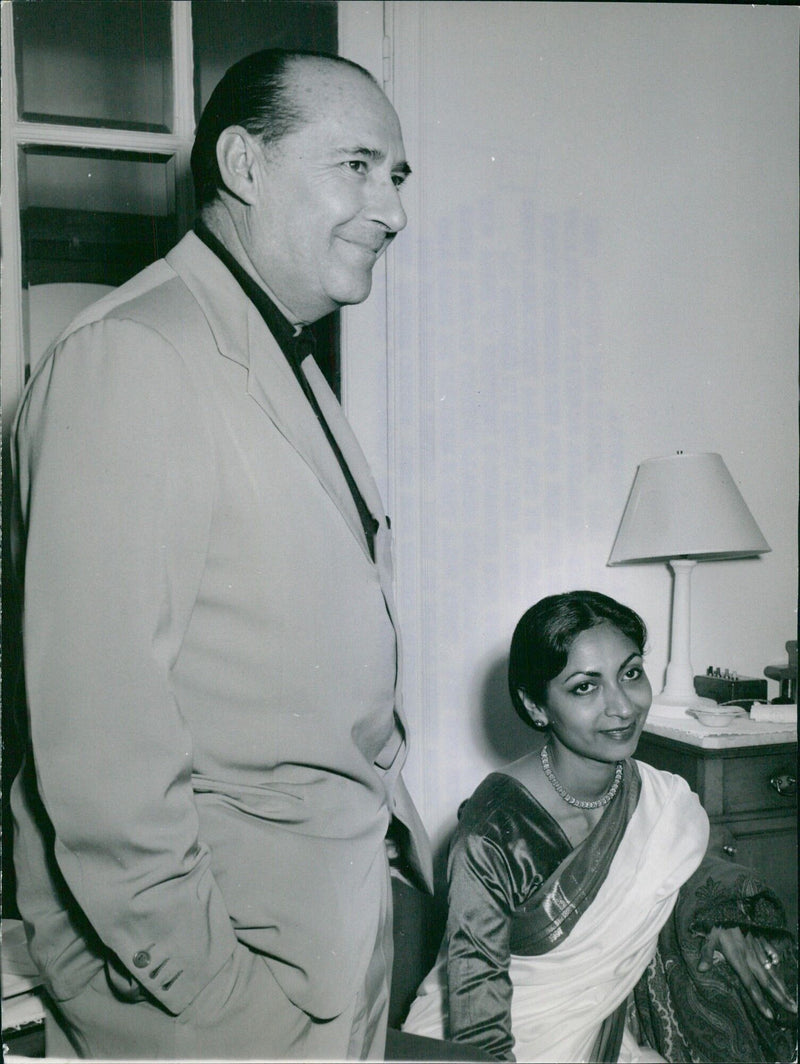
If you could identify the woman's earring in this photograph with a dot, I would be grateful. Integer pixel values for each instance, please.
(535, 713)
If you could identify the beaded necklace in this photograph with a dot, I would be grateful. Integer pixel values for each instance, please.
(559, 788)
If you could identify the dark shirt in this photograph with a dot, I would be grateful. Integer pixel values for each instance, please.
(297, 344)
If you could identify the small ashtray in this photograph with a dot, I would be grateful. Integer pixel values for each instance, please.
(716, 716)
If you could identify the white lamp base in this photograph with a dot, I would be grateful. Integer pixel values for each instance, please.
(666, 708)
(679, 694)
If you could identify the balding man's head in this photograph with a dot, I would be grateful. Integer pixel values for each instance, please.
(266, 94)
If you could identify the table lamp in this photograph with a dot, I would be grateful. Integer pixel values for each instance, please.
(681, 508)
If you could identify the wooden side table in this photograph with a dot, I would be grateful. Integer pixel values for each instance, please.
(743, 776)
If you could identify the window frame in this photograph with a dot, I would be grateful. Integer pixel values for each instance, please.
(17, 134)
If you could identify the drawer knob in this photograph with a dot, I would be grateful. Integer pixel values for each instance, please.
(784, 784)
(729, 850)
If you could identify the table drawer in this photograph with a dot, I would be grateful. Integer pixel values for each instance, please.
(767, 844)
(747, 782)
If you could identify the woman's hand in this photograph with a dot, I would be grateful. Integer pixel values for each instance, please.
(755, 961)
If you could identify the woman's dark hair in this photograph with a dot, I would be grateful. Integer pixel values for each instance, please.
(254, 93)
(544, 634)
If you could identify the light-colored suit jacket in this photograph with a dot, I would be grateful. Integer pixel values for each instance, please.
(211, 655)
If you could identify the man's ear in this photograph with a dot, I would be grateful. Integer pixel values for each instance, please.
(535, 711)
(237, 159)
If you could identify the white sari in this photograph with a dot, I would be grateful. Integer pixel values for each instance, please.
(560, 998)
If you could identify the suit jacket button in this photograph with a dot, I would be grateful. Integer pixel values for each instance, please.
(141, 959)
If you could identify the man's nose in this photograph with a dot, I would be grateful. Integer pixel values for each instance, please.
(385, 206)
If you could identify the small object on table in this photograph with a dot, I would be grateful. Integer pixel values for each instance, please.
(717, 716)
(777, 712)
(731, 689)
(786, 675)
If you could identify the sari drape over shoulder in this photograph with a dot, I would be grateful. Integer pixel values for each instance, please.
(551, 938)
(562, 997)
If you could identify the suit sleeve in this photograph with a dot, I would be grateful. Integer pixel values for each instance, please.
(116, 478)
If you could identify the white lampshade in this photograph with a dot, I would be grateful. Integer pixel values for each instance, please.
(685, 506)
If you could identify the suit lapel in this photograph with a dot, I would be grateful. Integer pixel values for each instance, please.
(344, 436)
(274, 387)
(242, 336)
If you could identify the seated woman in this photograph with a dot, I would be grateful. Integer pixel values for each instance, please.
(587, 919)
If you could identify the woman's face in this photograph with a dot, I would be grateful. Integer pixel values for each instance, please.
(598, 703)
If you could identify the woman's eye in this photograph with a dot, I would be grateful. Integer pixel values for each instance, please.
(398, 180)
(583, 688)
(634, 673)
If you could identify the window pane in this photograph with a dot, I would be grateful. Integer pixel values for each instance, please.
(82, 62)
(227, 30)
(93, 216)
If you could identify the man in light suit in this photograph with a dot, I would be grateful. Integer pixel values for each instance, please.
(211, 650)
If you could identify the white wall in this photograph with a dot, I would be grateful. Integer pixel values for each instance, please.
(600, 267)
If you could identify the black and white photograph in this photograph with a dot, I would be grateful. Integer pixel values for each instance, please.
(399, 530)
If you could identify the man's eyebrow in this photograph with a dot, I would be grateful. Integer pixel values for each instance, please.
(374, 155)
